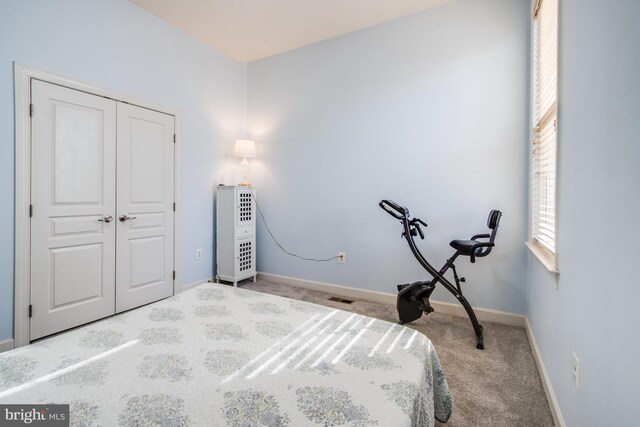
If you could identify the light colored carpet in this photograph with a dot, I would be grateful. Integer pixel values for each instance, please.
(498, 386)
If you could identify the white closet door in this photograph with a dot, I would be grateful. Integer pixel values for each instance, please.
(73, 192)
(145, 206)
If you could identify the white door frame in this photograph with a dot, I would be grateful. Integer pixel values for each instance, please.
(22, 251)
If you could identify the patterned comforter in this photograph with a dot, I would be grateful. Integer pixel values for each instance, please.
(222, 356)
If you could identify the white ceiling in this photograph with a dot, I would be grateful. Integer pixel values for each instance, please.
(251, 29)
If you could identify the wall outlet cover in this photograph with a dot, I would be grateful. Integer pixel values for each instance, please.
(576, 369)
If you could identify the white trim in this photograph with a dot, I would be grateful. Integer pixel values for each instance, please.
(35, 73)
(177, 215)
(483, 314)
(22, 248)
(546, 258)
(546, 381)
(344, 291)
(22, 97)
(6, 345)
(193, 285)
(550, 261)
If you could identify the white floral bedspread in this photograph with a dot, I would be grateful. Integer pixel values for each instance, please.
(222, 356)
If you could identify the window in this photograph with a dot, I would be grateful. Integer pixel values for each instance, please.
(544, 104)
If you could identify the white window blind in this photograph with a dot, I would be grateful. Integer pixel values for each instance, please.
(543, 165)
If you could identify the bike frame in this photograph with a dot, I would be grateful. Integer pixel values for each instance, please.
(438, 277)
(402, 214)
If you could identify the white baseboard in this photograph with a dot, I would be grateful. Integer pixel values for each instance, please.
(483, 314)
(546, 381)
(6, 345)
(344, 291)
(191, 285)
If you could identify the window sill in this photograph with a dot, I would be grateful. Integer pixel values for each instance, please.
(546, 258)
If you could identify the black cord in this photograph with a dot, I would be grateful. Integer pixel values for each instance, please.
(278, 243)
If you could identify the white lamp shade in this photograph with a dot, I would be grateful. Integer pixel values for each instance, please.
(244, 148)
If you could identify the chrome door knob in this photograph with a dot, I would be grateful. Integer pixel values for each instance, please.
(106, 218)
(125, 217)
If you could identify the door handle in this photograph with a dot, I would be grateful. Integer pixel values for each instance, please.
(106, 218)
(125, 217)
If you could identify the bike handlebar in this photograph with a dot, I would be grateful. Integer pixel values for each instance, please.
(414, 220)
(400, 212)
(411, 226)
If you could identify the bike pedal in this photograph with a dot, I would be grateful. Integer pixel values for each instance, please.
(427, 309)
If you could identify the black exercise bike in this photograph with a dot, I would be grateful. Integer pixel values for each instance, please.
(413, 298)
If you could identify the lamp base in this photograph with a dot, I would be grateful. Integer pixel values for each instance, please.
(244, 171)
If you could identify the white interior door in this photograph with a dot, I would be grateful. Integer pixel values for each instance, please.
(73, 196)
(145, 197)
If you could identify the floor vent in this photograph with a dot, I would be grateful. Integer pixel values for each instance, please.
(342, 300)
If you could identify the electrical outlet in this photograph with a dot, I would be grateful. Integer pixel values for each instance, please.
(342, 257)
(576, 370)
(199, 253)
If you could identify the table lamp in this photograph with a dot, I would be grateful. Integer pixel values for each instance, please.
(244, 148)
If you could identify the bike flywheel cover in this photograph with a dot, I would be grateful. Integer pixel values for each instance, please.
(408, 310)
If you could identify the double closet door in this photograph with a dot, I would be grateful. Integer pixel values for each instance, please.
(102, 196)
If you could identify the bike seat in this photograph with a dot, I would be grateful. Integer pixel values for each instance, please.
(477, 248)
(465, 246)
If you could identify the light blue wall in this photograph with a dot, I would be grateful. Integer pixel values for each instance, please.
(115, 45)
(430, 110)
(595, 309)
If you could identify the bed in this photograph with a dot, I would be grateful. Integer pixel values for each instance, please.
(216, 355)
